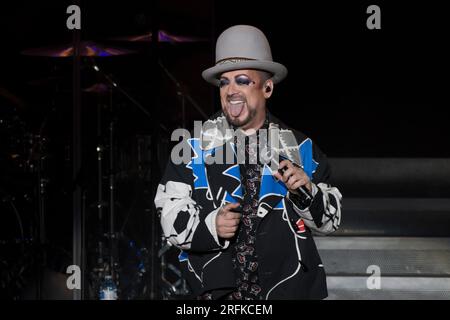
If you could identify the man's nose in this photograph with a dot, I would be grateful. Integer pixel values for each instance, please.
(232, 88)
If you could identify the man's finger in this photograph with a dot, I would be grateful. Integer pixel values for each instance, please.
(297, 185)
(228, 229)
(285, 163)
(227, 235)
(231, 222)
(230, 215)
(286, 174)
(231, 206)
(228, 223)
(292, 179)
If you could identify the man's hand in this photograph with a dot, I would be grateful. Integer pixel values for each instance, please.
(227, 221)
(293, 177)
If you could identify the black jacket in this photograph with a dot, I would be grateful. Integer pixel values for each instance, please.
(191, 193)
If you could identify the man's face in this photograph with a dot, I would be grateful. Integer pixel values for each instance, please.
(243, 97)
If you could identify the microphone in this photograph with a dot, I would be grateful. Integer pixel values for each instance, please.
(304, 197)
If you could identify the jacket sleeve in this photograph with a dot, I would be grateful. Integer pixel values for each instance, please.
(324, 213)
(184, 222)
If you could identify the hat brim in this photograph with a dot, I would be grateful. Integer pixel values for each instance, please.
(212, 74)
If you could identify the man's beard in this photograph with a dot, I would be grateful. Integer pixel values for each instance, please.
(240, 123)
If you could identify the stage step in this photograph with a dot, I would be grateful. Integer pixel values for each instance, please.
(420, 217)
(392, 177)
(391, 288)
(410, 267)
(396, 256)
(396, 219)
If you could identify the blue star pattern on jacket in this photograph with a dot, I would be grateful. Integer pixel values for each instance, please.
(269, 185)
(197, 164)
(309, 165)
(235, 173)
(183, 256)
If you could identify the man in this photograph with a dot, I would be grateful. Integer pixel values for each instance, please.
(243, 228)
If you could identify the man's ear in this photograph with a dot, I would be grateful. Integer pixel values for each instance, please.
(268, 88)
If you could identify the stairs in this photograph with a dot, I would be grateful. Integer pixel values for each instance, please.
(410, 267)
(399, 228)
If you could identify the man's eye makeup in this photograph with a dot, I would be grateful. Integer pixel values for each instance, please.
(241, 80)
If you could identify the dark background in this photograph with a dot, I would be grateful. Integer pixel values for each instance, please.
(356, 92)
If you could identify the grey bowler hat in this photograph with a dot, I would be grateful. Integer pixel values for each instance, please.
(243, 47)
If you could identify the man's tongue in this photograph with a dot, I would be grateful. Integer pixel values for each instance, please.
(236, 109)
